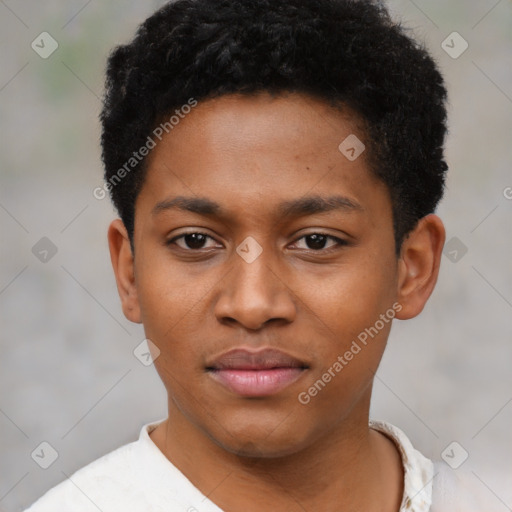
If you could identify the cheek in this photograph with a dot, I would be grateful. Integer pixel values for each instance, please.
(352, 336)
(351, 340)
(352, 297)
(172, 304)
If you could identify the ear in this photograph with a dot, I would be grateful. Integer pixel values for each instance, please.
(122, 262)
(420, 258)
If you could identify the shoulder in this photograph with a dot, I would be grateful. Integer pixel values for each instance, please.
(124, 480)
(435, 486)
(109, 476)
(460, 491)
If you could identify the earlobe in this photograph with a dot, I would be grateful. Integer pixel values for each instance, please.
(123, 265)
(420, 259)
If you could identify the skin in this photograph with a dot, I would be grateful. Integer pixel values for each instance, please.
(249, 155)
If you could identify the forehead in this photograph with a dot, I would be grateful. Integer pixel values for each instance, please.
(258, 151)
(242, 122)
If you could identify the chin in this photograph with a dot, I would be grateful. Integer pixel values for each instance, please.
(262, 439)
(261, 449)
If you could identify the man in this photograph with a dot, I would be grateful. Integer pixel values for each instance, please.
(276, 166)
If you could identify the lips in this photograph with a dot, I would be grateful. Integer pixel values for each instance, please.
(256, 373)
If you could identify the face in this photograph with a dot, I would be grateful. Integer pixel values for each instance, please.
(262, 257)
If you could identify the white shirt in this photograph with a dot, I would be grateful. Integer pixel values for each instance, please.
(137, 477)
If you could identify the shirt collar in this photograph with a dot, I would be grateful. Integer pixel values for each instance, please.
(418, 470)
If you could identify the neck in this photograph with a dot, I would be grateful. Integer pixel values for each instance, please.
(351, 468)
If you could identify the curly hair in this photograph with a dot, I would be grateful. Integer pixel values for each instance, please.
(345, 52)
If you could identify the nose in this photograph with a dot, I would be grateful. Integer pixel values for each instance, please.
(253, 294)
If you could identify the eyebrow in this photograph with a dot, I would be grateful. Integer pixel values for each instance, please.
(200, 205)
(308, 205)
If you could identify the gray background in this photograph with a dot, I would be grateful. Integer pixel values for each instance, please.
(68, 375)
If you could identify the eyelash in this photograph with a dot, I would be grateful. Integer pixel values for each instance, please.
(340, 242)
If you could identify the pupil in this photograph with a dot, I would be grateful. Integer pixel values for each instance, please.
(316, 241)
(195, 240)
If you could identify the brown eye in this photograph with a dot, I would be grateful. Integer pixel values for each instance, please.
(318, 241)
(191, 241)
(195, 240)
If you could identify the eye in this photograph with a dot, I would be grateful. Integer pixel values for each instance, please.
(192, 241)
(318, 241)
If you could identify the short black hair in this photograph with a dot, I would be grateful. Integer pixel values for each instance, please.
(349, 53)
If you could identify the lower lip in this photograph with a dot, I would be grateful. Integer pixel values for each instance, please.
(257, 382)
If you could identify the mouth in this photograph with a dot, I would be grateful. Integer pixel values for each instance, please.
(256, 373)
